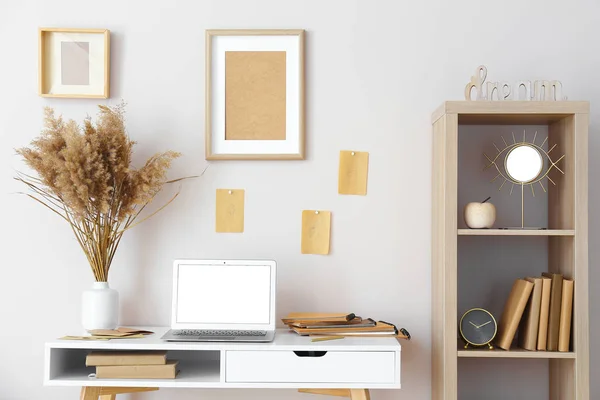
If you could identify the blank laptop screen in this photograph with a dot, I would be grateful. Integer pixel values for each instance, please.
(223, 294)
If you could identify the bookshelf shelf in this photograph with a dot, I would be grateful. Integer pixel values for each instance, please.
(513, 353)
(516, 232)
(562, 249)
(189, 376)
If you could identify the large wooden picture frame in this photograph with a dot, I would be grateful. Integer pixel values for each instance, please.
(254, 95)
(74, 63)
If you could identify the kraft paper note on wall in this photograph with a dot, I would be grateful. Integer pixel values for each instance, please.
(316, 230)
(353, 173)
(230, 210)
(255, 90)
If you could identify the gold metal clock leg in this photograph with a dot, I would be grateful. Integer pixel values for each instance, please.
(490, 346)
(466, 345)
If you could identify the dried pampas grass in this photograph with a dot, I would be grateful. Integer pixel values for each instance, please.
(85, 176)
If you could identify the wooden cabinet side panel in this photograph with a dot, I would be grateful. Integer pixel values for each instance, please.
(580, 304)
(437, 273)
(568, 207)
(444, 256)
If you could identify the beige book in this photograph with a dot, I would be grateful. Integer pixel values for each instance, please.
(554, 313)
(544, 312)
(96, 358)
(379, 329)
(513, 311)
(307, 317)
(566, 314)
(529, 327)
(166, 371)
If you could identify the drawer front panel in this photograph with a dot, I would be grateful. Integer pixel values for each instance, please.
(288, 366)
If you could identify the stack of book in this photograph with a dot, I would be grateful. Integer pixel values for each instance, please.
(541, 310)
(339, 324)
(132, 364)
(108, 334)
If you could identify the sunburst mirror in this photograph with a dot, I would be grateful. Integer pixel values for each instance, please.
(524, 163)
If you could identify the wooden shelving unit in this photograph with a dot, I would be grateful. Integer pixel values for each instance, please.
(567, 237)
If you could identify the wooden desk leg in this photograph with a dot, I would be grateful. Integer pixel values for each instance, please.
(109, 393)
(353, 394)
(328, 392)
(90, 393)
(106, 391)
(360, 394)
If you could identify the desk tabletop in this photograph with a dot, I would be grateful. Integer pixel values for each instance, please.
(284, 340)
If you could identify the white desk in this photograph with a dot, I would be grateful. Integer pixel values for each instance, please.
(352, 365)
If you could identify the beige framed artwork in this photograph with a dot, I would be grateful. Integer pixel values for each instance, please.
(254, 95)
(74, 63)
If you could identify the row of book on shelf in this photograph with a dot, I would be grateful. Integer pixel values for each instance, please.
(541, 309)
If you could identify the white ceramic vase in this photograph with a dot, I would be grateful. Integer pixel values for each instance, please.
(100, 307)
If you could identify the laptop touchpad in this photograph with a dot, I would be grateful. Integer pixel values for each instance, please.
(217, 338)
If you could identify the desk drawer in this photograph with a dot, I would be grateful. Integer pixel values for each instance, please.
(313, 367)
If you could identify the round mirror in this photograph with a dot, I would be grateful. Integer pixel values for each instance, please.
(524, 163)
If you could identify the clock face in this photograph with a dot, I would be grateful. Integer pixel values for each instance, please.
(478, 327)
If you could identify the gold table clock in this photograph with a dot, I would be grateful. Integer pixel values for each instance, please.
(478, 327)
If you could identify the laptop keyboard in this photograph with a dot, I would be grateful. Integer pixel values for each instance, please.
(204, 332)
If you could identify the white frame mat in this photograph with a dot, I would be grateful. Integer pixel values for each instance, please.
(220, 41)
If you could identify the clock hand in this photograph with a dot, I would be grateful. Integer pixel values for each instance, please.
(473, 324)
(489, 322)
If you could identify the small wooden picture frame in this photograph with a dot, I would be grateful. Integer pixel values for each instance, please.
(254, 95)
(74, 63)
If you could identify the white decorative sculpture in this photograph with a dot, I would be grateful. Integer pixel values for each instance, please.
(527, 86)
(480, 215)
(541, 90)
(477, 83)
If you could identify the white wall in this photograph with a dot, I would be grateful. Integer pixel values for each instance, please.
(375, 72)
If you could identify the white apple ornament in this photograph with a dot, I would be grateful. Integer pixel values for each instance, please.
(480, 215)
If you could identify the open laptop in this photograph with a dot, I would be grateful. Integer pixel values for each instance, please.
(223, 300)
